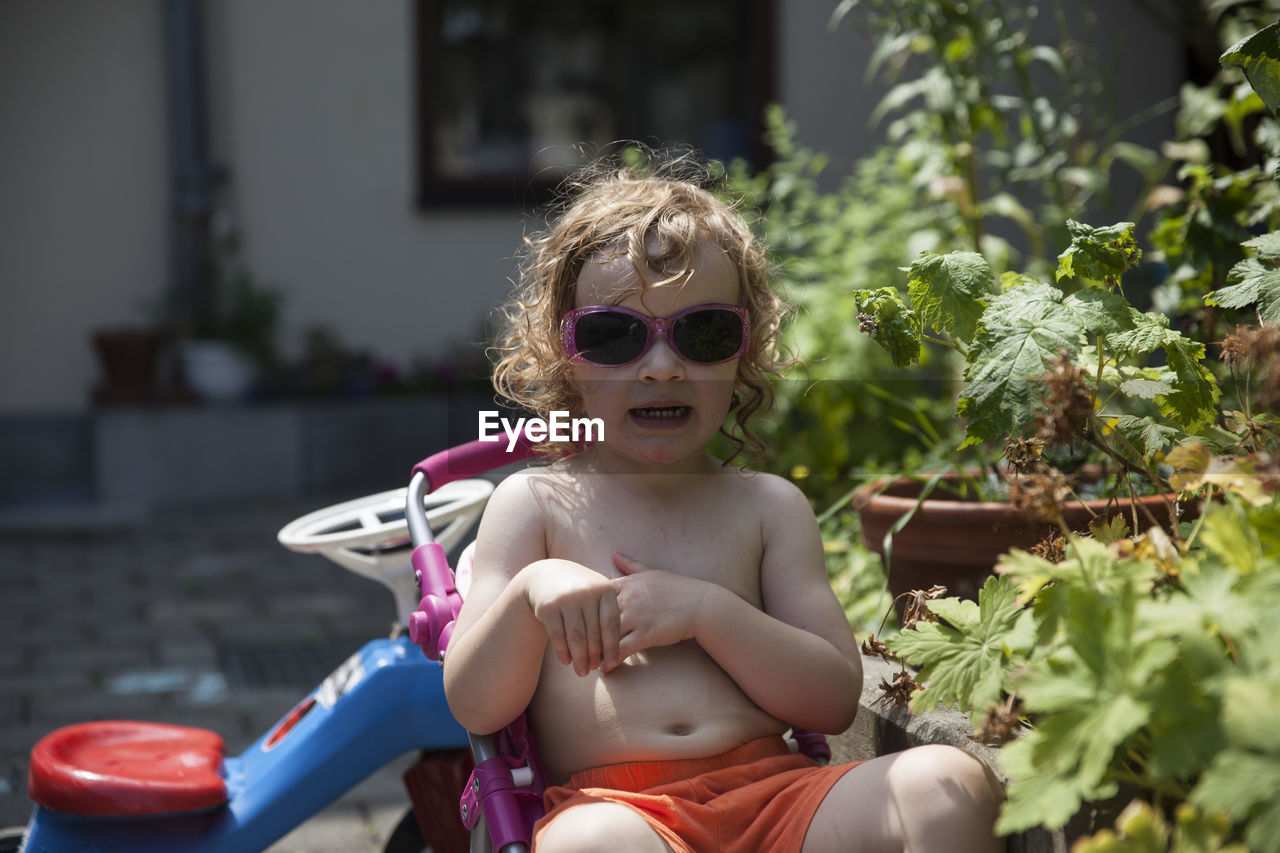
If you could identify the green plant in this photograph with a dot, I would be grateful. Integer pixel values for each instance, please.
(1143, 829)
(993, 135)
(232, 306)
(1131, 664)
(1228, 146)
(1138, 663)
(999, 116)
(831, 407)
(1049, 371)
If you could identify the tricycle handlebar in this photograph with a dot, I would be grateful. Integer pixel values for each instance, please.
(470, 459)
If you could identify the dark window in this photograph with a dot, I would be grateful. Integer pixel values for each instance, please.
(509, 90)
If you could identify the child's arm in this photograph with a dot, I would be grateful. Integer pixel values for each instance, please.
(518, 601)
(797, 658)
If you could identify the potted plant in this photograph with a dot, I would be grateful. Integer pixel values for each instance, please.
(1130, 666)
(1137, 669)
(231, 336)
(1058, 375)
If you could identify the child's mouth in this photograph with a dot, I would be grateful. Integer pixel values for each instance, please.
(661, 417)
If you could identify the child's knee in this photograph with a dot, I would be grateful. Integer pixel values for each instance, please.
(951, 772)
(599, 826)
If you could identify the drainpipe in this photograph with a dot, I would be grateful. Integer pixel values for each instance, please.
(192, 176)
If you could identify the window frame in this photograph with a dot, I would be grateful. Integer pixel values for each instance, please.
(434, 190)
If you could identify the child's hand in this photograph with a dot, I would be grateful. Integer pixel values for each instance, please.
(578, 607)
(657, 608)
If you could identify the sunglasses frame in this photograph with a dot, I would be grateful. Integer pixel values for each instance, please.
(655, 326)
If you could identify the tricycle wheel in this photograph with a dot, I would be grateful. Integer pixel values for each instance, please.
(11, 839)
(406, 838)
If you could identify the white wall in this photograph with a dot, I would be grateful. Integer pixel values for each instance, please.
(313, 109)
(82, 187)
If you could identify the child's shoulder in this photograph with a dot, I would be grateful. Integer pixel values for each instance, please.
(766, 485)
(778, 500)
(525, 482)
(529, 487)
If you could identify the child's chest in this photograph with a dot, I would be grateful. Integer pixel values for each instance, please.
(690, 537)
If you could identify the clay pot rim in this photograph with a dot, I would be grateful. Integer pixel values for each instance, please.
(873, 492)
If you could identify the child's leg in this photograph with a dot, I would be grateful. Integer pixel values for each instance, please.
(924, 799)
(600, 826)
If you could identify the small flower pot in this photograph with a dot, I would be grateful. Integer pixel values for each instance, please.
(216, 371)
(129, 359)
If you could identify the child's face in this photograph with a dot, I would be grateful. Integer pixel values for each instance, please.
(660, 409)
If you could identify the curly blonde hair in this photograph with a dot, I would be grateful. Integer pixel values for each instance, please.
(655, 215)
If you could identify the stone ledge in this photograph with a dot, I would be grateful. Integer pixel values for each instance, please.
(142, 456)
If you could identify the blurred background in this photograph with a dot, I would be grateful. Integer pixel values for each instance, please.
(251, 248)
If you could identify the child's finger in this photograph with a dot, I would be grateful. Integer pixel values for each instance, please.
(610, 632)
(556, 637)
(591, 628)
(630, 643)
(575, 630)
(628, 565)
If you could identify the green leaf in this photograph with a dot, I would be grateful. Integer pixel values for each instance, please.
(1099, 312)
(1239, 782)
(1066, 760)
(1029, 572)
(1147, 434)
(1145, 389)
(890, 323)
(1251, 713)
(1036, 798)
(1207, 604)
(949, 292)
(1267, 246)
(1256, 284)
(964, 659)
(1022, 331)
(1146, 333)
(1194, 397)
(1108, 530)
(1227, 534)
(1092, 696)
(1258, 56)
(1098, 254)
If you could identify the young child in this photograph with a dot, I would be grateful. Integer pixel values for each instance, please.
(664, 616)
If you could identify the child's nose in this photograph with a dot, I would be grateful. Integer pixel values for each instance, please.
(660, 363)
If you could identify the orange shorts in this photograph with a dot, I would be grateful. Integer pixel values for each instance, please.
(757, 797)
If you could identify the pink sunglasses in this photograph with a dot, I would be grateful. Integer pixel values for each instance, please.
(612, 336)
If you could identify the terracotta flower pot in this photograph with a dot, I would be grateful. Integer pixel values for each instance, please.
(956, 542)
(128, 357)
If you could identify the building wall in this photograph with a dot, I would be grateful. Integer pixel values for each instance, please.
(82, 187)
(312, 112)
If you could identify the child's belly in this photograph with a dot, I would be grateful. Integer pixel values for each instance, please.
(664, 703)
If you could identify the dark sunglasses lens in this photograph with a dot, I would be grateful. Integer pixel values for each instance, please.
(609, 337)
(708, 336)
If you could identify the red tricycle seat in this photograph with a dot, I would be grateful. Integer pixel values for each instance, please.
(127, 768)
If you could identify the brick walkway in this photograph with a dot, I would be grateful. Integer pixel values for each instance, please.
(164, 616)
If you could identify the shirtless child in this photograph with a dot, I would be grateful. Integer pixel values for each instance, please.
(664, 616)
